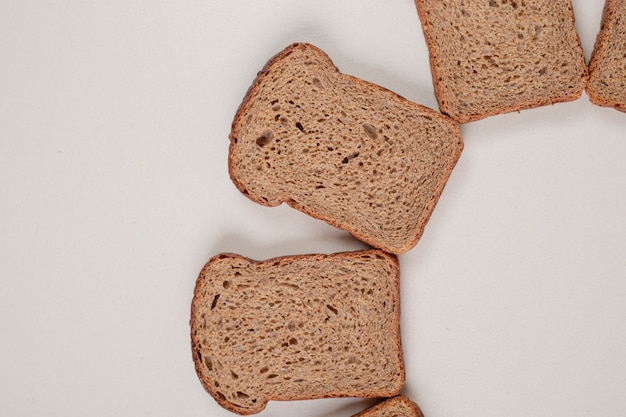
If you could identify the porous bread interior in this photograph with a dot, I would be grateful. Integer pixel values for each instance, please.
(496, 56)
(607, 79)
(343, 150)
(300, 327)
(398, 406)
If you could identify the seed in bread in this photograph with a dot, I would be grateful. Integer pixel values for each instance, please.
(607, 68)
(496, 56)
(297, 327)
(398, 406)
(341, 149)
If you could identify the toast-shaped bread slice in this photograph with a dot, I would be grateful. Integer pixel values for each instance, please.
(297, 327)
(341, 149)
(607, 67)
(497, 56)
(398, 406)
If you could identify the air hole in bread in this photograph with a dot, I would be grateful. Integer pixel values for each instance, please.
(370, 130)
(331, 308)
(265, 138)
(350, 157)
(214, 303)
(299, 126)
(226, 284)
(207, 363)
(289, 285)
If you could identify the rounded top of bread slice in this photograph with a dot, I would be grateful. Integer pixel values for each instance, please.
(340, 149)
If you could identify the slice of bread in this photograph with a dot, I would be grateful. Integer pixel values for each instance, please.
(496, 56)
(399, 406)
(297, 327)
(607, 67)
(341, 149)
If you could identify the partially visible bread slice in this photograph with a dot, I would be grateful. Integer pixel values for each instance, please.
(497, 56)
(297, 327)
(607, 68)
(341, 149)
(399, 406)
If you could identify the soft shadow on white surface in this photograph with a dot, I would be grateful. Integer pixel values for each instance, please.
(115, 191)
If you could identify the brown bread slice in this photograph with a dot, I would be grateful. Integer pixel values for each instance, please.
(497, 56)
(297, 327)
(341, 149)
(607, 68)
(399, 406)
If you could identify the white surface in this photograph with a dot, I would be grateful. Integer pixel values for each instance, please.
(113, 145)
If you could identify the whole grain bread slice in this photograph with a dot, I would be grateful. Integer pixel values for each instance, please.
(340, 149)
(398, 406)
(496, 56)
(607, 67)
(297, 327)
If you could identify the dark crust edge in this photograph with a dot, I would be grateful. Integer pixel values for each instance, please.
(433, 57)
(600, 47)
(197, 304)
(381, 406)
(421, 221)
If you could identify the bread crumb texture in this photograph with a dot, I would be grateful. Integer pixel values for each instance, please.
(342, 150)
(607, 68)
(399, 406)
(496, 56)
(297, 327)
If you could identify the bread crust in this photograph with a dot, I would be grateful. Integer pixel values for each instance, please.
(600, 48)
(421, 224)
(198, 304)
(437, 76)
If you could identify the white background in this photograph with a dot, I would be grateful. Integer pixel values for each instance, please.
(114, 122)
